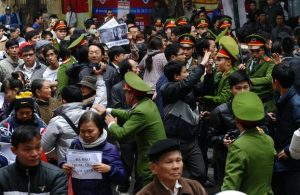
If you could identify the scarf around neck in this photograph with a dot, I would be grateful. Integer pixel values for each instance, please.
(99, 141)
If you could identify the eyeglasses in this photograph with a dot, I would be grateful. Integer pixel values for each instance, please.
(28, 55)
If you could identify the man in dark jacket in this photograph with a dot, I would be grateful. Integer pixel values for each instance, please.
(286, 174)
(181, 87)
(28, 175)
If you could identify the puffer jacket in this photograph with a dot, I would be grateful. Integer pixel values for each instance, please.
(110, 156)
(8, 125)
(42, 179)
(59, 134)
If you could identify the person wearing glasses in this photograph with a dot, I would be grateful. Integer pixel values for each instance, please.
(259, 68)
(32, 68)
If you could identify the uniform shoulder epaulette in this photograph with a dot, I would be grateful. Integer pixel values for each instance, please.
(267, 59)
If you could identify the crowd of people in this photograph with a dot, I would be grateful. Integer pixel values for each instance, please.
(153, 107)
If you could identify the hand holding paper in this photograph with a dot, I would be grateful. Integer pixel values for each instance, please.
(101, 168)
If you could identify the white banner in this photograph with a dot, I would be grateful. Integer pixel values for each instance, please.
(83, 162)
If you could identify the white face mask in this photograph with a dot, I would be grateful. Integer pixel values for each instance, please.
(92, 31)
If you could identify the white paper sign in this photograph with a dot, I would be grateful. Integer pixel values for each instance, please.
(123, 9)
(5, 150)
(114, 36)
(83, 162)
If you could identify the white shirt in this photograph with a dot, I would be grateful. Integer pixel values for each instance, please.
(71, 19)
(50, 75)
(175, 190)
(29, 71)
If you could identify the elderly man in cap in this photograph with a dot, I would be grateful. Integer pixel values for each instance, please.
(259, 68)
(142, 121)
(250, 158)
(166, 165)
(188, 43)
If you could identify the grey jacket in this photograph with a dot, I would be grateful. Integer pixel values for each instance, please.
(59, 134)
(37, 73)
(7, 66)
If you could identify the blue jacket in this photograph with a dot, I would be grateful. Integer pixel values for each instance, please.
(288, 120)
(8, 125)
(13, 19)
(116, 175)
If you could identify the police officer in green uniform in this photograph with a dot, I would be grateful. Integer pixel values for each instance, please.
(225, 60)
(259, 68)
(142, 121)
(188, 43)
(60, 29)
(250, 159)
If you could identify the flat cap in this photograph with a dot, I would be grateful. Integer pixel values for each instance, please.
(161, 147)
(248, 106)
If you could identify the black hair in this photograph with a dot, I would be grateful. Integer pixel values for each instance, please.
(202, 45)
(12, 84)
(238, 77)
(2, 27)
(53, 16)
(175, 31)
(64, 52)
(17, 74)
(45, 33)
(125, 66)
(276, 47)
(115, 51)
(148, 31)
(48, 48)
(183, 29)
(99, 46)
(37, 84)
(28, 48)
(172, 49)
(252, 2)
(11, 43)
(134, 26)
(24, 134)
(284, 74)
(154, 44)
(88, 23)
(29, 35)
(81, 54)
(173, 68)
(71, 93)
(90, 116)
(287, 45)
(36, 16)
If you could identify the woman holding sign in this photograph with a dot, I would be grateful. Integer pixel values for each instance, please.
(109, 169)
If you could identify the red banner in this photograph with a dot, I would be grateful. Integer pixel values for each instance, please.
(140, 8)
(77, 5)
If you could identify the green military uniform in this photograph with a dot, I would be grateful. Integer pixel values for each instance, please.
(143, 122)
(260, 73)
(250, 158)
(188, 41)
(229, 49)
(62, 77)
(222, 92)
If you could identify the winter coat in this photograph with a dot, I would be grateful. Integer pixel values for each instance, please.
(288, 120)
(41, 179)
(59, 134)
(111, 157)
(8, 125)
